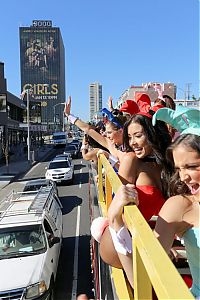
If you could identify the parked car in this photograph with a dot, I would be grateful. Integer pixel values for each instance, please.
(30, 243)
(77, 143)
(71, 149)
(36, 184)
(60, 170)
(59, 139)
(67, 156)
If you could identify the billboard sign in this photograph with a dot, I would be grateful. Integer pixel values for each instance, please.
(40, 58)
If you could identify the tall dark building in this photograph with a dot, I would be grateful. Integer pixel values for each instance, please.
(42, 58)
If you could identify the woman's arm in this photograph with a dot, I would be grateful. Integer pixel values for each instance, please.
(90, 154)
(84, 126)
(127, 168)
(170, 222)
(110, 104)
(120, 235)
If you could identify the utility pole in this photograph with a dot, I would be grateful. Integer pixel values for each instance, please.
(188, 90)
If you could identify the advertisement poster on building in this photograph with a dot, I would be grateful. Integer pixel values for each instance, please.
(39, 54)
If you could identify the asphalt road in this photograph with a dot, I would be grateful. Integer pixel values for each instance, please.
(74, 272)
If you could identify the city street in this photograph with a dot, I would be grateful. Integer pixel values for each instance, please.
(74, 271)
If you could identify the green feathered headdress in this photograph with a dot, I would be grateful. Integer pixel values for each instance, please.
(183, 119)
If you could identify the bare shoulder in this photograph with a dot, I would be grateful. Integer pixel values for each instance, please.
(174, 208)
(128, 157)
(128, 168)
(182, 200)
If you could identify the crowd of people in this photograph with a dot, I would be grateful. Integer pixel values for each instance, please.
(155, 150)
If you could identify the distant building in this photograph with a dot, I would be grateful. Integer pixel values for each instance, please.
(11, 116)
(188, 103)
(95, 98)
(149, 89)
(42, 61)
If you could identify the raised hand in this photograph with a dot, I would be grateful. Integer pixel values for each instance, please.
(110, 105)
(68, 106)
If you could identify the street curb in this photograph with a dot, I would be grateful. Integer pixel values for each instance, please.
(17, 176)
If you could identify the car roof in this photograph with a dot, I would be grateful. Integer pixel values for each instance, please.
(60, 158)
(25, 207)
(56, 159)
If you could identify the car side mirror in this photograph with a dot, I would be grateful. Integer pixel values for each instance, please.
(53, 240)
(45, 168)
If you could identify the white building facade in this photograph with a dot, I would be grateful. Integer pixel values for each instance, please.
(95, 98)
(149, 89)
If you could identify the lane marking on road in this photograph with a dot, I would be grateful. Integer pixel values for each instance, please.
(80, 184)
(75, 270)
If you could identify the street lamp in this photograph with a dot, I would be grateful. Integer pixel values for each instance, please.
(27, 92)
(54, 113)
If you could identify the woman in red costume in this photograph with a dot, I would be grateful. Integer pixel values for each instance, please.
(148, 143)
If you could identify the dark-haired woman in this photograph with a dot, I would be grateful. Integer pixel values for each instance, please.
(143, 170)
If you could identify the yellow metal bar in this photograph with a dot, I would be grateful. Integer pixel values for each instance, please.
(142, 283)
(108, 195)
(121, 286)
(164, 277)
(112, 176)
(100, 182)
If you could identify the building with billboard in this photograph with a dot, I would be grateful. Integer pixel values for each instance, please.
(42, 61)
(95, 98)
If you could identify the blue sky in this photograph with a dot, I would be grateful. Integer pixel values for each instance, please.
(118, 43)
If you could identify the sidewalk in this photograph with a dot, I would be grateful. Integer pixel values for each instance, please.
(19, 165)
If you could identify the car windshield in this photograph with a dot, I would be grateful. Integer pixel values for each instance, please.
(68, 148)
(59, 164)
(22, 241)
(33, 187)
(59, 137)
(64, 156)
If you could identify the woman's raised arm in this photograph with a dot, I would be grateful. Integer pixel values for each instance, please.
(84, 126)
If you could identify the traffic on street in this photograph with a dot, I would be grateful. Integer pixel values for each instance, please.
(73, 275)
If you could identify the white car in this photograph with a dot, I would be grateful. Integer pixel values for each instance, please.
(65, 156)
(30, 243)
(60, 170)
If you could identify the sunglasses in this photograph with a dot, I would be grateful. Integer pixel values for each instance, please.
(109, 117)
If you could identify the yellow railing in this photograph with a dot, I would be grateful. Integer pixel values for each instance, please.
(152, 266)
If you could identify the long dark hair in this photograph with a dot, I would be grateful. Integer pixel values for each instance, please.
(169, 102)
(93, 143)
(157, 136)
(176, 186)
